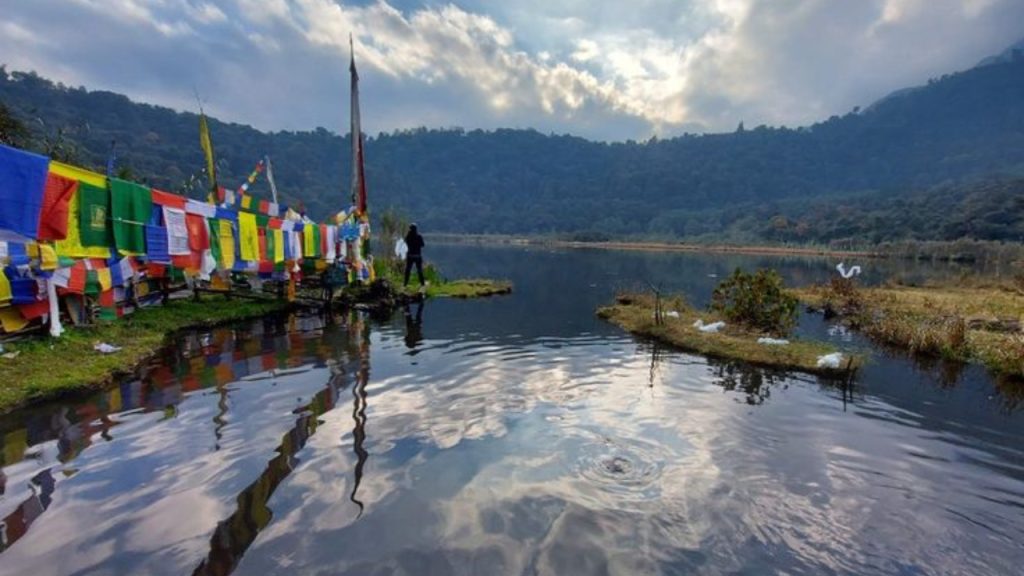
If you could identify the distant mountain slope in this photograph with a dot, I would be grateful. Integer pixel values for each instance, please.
(961, 128)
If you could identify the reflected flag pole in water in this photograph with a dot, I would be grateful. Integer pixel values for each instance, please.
(358, 172)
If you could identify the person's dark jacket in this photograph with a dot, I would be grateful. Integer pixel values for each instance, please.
(415, 243)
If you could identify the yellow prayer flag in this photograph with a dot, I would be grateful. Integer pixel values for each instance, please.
(246, 202)
(12, 320)
(207, 146)
(5, 289)
(248, 237)
(105, 280)
(80, 174)
(309, 242)
(227, 244)
(278, 255)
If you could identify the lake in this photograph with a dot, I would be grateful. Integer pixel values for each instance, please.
(519, 435)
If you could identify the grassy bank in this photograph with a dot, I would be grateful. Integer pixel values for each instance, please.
(974, 320)
(47, 368)
(437, 285)
(635, 314)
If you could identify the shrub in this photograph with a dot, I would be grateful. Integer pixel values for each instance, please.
(759, 301)
(841, 297)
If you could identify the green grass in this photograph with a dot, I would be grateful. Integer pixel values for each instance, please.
(965, 321)
(47, 368)
(437, 285)
(635, 314)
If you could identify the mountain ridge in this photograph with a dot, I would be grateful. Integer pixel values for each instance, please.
(961, 128)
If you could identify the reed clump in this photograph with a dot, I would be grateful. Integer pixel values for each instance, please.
(969, 319)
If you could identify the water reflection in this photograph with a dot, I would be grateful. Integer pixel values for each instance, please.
(413, 326)
(234, 535)
(518, 435)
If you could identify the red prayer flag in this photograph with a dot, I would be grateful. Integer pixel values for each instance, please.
(191, 261)
(198, 235)
(106, 299)
(264, 207)
(53, 217)
(76, 283)
(263, 244)
(168, 199)
(275, 223)
(35, 310)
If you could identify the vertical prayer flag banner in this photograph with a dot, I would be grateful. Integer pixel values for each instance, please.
(207, 146)
(22, 181)
(130, 208)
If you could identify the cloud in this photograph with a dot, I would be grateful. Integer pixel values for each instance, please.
(607, 70)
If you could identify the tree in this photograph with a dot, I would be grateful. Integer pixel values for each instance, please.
(12, 130)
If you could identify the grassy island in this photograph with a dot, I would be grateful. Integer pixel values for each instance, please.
(47, 368)
(971, 321)
(438, 286)
(635, 313)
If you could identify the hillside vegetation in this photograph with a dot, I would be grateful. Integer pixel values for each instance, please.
(941, 161)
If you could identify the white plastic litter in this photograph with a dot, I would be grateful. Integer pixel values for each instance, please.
(401, 249)
(853, 271)
(672, 314)
(708, 328)
(10, 355)
(833, 360)
(104, 348)
(772, 341)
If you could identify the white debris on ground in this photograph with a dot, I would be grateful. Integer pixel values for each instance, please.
(104, 348)
(672, 314)
(773, 341)
(712, 328)
(833, 360)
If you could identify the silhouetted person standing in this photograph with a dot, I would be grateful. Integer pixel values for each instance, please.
(415, 244)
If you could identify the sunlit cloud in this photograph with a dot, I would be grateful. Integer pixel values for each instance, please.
(600, 69)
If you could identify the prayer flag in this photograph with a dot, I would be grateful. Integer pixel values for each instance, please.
(207, 146)
(248, 236)
(22, 179)
(53, 216)
(130, 208)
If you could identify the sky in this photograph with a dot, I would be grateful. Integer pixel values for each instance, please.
(605, 70)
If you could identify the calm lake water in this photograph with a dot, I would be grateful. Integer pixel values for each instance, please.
(518, 435)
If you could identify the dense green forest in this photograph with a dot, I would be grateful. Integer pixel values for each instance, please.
(941, 161)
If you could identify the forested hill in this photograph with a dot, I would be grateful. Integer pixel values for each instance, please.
(959, 129)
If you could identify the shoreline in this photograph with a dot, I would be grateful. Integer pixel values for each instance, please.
(30, 378)
(764, 250)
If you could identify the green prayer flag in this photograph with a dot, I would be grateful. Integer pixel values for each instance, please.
(214, 240)
(269, 235)
(130, 208)
(92, 282)
(94, 216)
